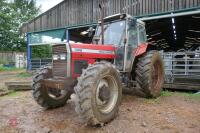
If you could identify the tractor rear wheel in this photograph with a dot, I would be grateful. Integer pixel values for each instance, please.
(48, 97)
(150, 75)
(98, 93)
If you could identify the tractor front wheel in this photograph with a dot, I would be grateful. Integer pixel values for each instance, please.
(45, 96)
(98, 94)
(150, 75)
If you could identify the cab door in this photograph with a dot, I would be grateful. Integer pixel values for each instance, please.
(132, 43)
(136, 36)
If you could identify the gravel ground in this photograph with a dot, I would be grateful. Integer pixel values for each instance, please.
(11, 76)
(169, 114)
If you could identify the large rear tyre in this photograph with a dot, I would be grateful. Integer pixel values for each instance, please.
(99, 93)
(150, 75)
(48, 97)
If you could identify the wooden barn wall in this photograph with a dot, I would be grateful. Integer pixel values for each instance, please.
(76, 12)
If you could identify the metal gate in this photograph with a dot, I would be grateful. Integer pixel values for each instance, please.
(182, 70)
(37, 63)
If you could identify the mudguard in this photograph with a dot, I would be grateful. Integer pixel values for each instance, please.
(141, 49)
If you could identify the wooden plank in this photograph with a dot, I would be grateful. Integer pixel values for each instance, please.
(187, 3)
(140, 7)
(159, 6)
(18, 86)
(163, 5)
(195, 3)
(149, 6)
(191, 3)
(137, 8)
(144, 3)
(180, 4)
(152, 6)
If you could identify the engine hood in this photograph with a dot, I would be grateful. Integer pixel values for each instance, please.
(92, 51)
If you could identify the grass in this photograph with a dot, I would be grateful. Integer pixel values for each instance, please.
(184, 94)
(9, 69)
(24, 75)
(157, 100)
(10, 94)
(166, 93)
(189, 95)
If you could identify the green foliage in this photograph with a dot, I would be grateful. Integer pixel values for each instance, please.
(166, 93)
(12, 94)
(12, 16)
(8, 68)
(44, 51)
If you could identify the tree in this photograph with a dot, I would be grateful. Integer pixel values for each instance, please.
(5, 25)
(12, 16)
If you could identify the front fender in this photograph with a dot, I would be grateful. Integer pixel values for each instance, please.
(141, 49)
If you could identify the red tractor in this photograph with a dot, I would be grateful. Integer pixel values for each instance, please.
(118, 58)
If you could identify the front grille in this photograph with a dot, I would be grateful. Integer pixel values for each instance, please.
(59, 66)
(58, 49)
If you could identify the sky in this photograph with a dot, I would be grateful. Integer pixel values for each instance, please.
(47, 4)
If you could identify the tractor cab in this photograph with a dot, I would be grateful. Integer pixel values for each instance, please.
(125, 33)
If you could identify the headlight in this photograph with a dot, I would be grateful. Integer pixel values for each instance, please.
(63, 57)
(55, 57)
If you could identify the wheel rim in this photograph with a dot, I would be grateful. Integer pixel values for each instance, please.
(56, 93)
(106, 94)
(156, 76)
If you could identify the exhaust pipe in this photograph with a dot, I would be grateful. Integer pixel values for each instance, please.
(102, 24)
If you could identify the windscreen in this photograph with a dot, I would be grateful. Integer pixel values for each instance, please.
(113, 32)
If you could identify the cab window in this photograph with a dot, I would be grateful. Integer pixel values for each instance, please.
(132, 36)
(142, 34)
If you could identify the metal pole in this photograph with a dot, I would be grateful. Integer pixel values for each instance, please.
(102, 24)
(28, 51)
(68, 53)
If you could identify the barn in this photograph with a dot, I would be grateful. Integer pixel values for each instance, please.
(173, 26)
